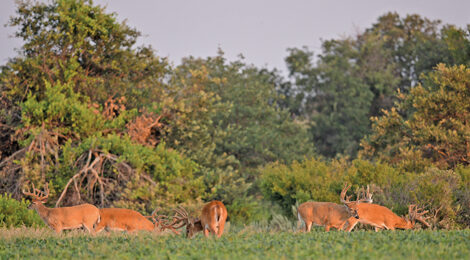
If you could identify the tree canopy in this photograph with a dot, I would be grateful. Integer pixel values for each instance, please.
(105, 121)
(356, 78)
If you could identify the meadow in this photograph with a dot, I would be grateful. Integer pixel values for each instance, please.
(244, 243)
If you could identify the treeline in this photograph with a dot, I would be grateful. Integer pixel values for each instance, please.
(108, 122)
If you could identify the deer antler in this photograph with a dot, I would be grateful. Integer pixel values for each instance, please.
(366, 195)
(415, 214)
(158, 220)
(37, 194)
(343, 197)
(181, 217)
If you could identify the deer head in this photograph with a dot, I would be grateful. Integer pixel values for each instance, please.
(352, 205)
(414, 215)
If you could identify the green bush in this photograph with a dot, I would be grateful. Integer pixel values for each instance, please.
(445, 193)
(14, 213)
(300, 181)
(246, 210)
(435, 189)
(462, 196)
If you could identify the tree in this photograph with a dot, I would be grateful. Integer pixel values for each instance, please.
(356, 77)
(437, 128)
(337, 100)
(76, 41)
(238, 128)
(81, 115)
(256, 129)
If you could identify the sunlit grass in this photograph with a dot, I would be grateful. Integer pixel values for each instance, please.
(241, 243)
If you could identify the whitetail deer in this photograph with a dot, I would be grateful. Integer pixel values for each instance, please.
(118, 219)
(381, 217)
(212, 220)
(85, 215)
(327, 214)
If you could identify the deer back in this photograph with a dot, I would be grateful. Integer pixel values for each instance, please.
(123, 220)
(213, 212)
(323, 213)
(380, 216)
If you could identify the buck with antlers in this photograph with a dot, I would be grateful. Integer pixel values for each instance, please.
(327, 214)
(85, 215)
(381, 217)
(212, 220)
(118, 219)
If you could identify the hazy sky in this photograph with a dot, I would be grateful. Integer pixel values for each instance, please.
(261, 30)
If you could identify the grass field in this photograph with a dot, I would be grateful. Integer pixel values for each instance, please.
(24, 243)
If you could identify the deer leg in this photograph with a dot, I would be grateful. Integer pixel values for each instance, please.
(89, 228)
(352, 223)
(308, 226)
(342, 226)
(206, 232)
(213, 229)
(221, 228)
(58, 230)
(327, 228)
(99, 227)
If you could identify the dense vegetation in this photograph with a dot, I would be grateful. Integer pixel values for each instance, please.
(110, 123)
(243, 244)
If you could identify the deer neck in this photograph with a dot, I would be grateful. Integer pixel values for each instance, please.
(43, 211)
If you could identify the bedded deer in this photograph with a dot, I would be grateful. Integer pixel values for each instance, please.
(118, 219)
(327, 214)
(212, 220)
(85, 215)
(381, 217)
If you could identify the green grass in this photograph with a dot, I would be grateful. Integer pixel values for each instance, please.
(244, 244)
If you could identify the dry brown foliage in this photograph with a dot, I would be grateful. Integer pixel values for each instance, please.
(146, 129)
(43, 149)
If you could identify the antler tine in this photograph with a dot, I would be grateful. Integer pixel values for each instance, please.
(46, 191)
(419, 215)
(152, 216)
(411, 214)
(40, 195)
(173, 225)
(182, 212)
(154, 213)
(366, 195)
(28, 192)
(35, 194)
(342, 196)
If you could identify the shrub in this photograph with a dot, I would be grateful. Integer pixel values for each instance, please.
(462, 196)
(445, 193)
(300, 181)
(246, 210)
(14, 213)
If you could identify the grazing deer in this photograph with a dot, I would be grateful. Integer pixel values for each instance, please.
(327, 214)
(381, 217)
(85, 215)
(126, 220)
(212, 219)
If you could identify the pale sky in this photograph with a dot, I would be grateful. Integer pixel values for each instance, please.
(260, 30)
